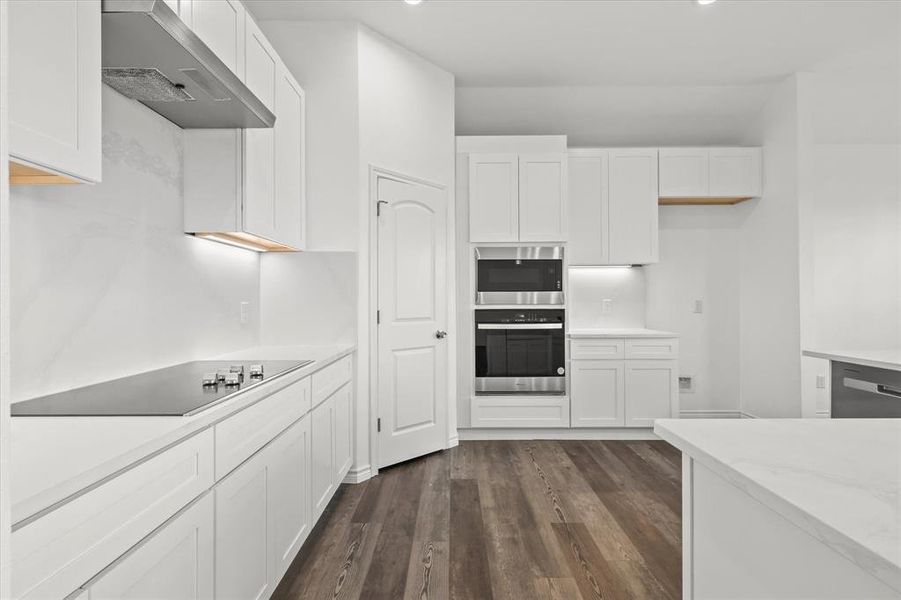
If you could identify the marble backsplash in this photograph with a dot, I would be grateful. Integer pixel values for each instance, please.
(104, 281)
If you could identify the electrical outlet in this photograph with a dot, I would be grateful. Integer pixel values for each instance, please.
(607, 306)
(821, 382)
(699, 307)
(686, 384)
(245, 313)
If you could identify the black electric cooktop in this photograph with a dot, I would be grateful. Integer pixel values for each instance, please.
(171, 392)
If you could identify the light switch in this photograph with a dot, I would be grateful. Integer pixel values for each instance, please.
(821, 382)
(607, 306)
(245, 313)
(699, 307)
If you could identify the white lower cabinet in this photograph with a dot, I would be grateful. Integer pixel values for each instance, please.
(343, 432)
(322, 421)
(631, 388)
(174, 562)
(263, 516)
(598, 393)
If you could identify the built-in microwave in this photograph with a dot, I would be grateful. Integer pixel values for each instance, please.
(523, 275)
(520, 351)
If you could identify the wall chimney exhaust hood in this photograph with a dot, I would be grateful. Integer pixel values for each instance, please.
(150, 55)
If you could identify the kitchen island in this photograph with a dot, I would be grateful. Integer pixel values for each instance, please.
(790, 508)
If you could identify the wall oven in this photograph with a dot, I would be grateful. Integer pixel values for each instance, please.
(520, 352)
(525, 275)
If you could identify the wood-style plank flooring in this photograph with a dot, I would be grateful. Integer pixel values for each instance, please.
(551, 520)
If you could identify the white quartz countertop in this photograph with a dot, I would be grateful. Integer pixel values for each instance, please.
(837, 479)
(883, 359)
(55, 457)
(620, 333)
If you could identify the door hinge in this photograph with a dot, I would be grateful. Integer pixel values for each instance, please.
(378, 207)
(378, 425)
(378, 317)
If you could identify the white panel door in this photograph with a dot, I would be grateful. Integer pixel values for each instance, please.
(289, 496)
(260, 64)
(412, 291)
(597, 394)
(220, 24)
(587, 207)
(322, 453)
(290, 160)
(683, 173)
(542, 198)
(243, 570)
(344, 428)
(175, 563)
(54, 91)
(651, 391)
(735, 172)
(493, 198)
(633, 206)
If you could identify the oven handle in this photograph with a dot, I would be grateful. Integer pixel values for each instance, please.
(520, 326)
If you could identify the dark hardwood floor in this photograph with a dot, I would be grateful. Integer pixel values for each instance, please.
(551, 520)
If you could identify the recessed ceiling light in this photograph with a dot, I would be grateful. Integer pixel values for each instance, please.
(705, 2)
(413, 2)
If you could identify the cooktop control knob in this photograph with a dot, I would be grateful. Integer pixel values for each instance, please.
(256, 370)
(237, 369)
(221, 373)
(233, 379)
(210, 379)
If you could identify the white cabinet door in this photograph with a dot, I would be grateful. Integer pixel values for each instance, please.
(289, 496)
(597, 394)
(344, 428)
(54, 87)
(651, 391)
(290, 160)
(260, 64)
(735, 172)
(683, 173)
(184, 9)
(175, 562)
(220, 24)
(243, 566)
(493, 198)
(322, 470)
(633, 206)
(542, 198)
(587, 207)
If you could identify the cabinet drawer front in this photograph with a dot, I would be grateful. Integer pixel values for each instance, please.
(238, 437)
(58, 552)
(652, 348)
(327, 381)
(520, 411)
(596, 349)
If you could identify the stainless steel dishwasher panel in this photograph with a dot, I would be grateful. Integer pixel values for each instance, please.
(860, 392)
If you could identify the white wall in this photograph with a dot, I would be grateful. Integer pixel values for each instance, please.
(769, 332)
(699, 260)
(104, 281)
(613, 115)
(308, 298)
(590, 286)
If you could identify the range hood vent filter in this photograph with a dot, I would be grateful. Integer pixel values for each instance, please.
(145, 85)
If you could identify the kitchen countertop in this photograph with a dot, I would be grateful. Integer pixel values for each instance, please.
(883, 359)
(68, 454)
(620, 333)
(838, 480)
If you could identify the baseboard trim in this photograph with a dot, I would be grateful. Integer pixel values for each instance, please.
(747, 415)
(824, 414)
(453, 441)
(710, 414)
(611, 433)
(358, 475)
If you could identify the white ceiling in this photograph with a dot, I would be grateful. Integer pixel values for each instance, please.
(613, 42)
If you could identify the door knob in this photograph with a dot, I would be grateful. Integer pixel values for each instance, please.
(440, 334)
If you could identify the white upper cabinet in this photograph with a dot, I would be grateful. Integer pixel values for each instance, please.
(220, 24)
(184, 9)
(632, 226)
(493, 197)
(290, 160)
(717, 174)
(683, 172)
(542, 198)
(735, 172)
(54, 91)
(260, 64)
(587, 207)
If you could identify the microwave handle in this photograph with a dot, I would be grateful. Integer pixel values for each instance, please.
(519, 326)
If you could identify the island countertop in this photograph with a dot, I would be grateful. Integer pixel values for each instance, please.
(882, 359)
(838, 480)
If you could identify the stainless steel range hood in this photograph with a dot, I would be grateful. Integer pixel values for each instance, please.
(150, 55)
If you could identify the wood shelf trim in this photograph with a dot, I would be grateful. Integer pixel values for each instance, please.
(20, 174)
